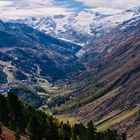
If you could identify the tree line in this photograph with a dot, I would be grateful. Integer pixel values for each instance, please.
(37, 125)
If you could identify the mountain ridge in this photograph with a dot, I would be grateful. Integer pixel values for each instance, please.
(79, 27)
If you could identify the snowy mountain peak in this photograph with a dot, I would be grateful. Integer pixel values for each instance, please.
(106, 11)
(80, 26)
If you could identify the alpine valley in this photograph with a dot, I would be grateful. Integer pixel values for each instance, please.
(82, 67)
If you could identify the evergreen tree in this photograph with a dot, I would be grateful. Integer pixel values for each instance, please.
(4, 111)
(75, 132)
(33, 128)
(91, 131)
(42, 118)
(16, 114)
(17, 134)
(66, 131)
(0, 128)
(82, 132)
(124, 136)
(53, 129)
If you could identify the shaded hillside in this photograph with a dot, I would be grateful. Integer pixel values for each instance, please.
(29, 96)
(3, 76)
(29, 52)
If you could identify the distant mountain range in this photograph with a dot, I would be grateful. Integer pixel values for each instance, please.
(83, 25)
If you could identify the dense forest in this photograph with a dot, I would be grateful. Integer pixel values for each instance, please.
(37, 125)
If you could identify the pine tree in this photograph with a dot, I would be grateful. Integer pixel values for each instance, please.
(16, 114)
(66, 131)
(53, 129)
(0, 128)
(33, 128)
(4, 111)
(124, 136)
(75, 132)
(91, 131)
(17, 134)
(82, 132)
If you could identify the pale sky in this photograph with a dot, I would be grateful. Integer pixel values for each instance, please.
(116, 4)
(27, 8)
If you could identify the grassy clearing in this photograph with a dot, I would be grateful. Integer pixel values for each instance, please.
(118, 118)
(48, 86)
(105, 118)
(44, 83)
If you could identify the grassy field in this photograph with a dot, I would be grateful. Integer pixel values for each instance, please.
(107, 117)
(48, 86)
(116, 119)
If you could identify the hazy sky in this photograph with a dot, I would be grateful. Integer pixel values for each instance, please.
(24, 8)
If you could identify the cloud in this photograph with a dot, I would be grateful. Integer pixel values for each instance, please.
(28, 8)
(5, 3)
(116, 4)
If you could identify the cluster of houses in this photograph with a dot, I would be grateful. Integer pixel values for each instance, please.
(5, 88)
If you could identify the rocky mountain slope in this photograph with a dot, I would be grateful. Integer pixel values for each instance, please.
(108, 91)
(26, 53)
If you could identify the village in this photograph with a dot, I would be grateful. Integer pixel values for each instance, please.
(5, 88)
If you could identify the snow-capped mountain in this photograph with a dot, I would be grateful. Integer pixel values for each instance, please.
(81, 26)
